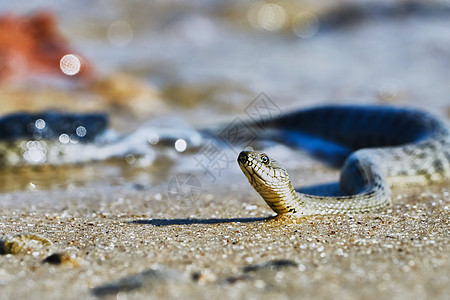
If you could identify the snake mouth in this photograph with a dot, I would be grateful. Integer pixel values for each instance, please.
(246, 168)
(249, 169)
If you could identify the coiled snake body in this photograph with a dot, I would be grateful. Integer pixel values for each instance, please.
(403, 146)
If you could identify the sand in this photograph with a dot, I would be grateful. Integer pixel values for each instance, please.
(139, 244)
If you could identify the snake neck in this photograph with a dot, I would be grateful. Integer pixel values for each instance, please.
(283, 199)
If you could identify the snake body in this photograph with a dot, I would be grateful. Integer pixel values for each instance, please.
(379, 146)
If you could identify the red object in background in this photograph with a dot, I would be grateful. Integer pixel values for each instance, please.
(33, 46)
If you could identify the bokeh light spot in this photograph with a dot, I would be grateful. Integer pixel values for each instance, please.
(81, 131)
(305, 25)
(180, 145)
(35, 152)
(130, 159)
(267, 16)
(64, 138)
(40, 124)
(70, 64)
(153, 139)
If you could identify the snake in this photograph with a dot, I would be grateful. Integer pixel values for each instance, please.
(377, 147)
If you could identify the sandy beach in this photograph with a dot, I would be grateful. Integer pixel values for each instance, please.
(138, 246)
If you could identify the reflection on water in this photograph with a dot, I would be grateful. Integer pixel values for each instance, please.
(98, 174)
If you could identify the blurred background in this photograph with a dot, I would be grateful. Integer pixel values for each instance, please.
(204, 62)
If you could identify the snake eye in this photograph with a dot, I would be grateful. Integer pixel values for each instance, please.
(265, 158)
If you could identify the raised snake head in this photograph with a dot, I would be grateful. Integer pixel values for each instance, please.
(263, 173)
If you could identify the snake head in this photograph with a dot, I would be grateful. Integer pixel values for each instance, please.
(262, 171)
